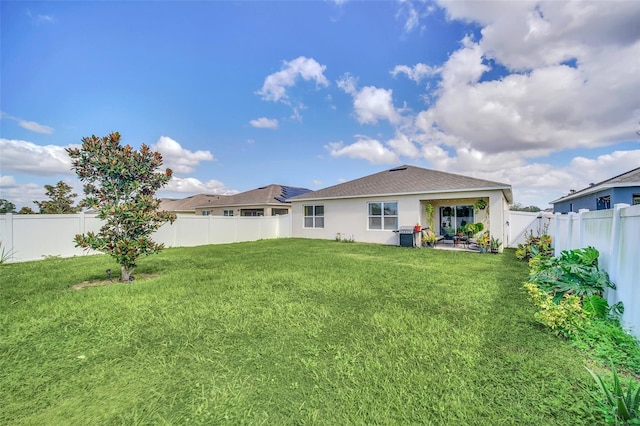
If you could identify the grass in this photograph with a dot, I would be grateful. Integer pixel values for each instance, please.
(286, 331)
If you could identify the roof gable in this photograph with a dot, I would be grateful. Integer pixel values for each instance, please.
(404, 180)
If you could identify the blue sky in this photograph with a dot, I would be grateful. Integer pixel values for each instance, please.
(544, 96)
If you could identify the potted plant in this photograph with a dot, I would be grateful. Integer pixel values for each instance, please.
(494, 245)
(429, 238)
(480, 204)
(483, 242)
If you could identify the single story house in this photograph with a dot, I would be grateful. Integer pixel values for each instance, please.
(624, 188)
(371, 208)
(270, 200)
(186, 206)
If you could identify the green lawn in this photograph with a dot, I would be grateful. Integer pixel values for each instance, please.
(287, 331)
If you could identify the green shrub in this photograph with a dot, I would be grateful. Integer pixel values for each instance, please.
(565, 317)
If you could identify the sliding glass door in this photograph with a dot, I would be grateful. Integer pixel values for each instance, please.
(454, 217)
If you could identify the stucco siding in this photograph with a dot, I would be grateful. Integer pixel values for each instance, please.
(349, 216)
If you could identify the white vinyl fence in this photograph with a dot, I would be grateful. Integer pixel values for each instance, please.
(522, 224)
(34, 237)
(615, 233)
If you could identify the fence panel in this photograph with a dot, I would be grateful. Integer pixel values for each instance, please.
(522, 224)
(615, 233)
(33, 237)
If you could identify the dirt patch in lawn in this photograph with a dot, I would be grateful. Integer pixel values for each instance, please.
(100, 283)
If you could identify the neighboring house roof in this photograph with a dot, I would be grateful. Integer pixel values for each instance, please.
(266, 195)
(630, 178)
(188, 204)
(405, 180)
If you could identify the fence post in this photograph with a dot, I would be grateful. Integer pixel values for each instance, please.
(581, 213)
(569, 244)
(556, 234)
(8, 237)
(614, 245)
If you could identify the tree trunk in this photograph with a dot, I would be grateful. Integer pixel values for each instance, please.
(125, 274)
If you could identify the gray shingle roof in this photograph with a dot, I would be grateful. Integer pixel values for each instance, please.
(404, 180)
(270, 194)
(188, 204)
(630, 178)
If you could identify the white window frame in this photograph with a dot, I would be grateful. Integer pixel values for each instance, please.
(383, 216)
(227, 212)
(315, 219)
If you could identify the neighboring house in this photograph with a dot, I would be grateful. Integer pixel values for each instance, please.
(624, 188)
(268, 200)
(369, 209)
(187, 206)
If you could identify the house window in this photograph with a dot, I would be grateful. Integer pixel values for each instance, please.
(227, 212)
(603, 203)
(206, 212)
(383, 215)
(314, 216)
(278, 212)
(635, 199)
(252, 212)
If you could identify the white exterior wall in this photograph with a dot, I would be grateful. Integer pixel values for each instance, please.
(349, 216)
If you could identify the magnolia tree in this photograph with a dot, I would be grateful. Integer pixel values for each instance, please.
(121, 184)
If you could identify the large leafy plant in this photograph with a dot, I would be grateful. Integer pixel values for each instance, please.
(121, 183)
(573, 272)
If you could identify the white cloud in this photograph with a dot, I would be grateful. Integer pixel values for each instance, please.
(35, 127)
(275, 85)
(550, 106)
(416, 73)
(464, 66)
(7, 182)
(348, 83)
(412, 13)
(603, 167)
(365, 148)
(195, 186)
(177, 158)
(27, 157)
(402, 145)
(40, 18)
(372, 104)
(29, 125)
(369, 103)
(264, 123)
(316, 183)
(529, 34)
